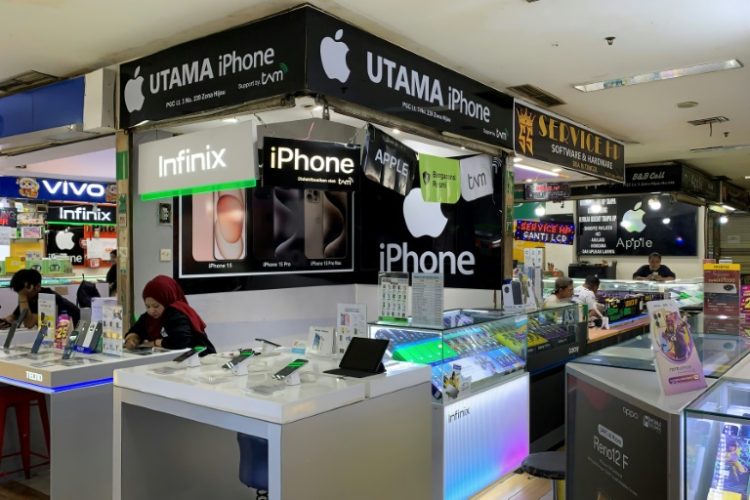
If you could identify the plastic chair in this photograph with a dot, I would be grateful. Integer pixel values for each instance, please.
(21, 400)
(548, 465)
(254, 464)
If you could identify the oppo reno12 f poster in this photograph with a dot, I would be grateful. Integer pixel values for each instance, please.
(265, 230)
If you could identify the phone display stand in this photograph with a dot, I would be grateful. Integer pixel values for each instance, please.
(241, 368)
(193, 361)
(293, 379)
(267, 349)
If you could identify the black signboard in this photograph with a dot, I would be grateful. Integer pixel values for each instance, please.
(699, 184)
(552, 139)
(637, 225)
(81, 214)
(462, 241)
(657, 177)
(734, 196)
(542, 191)
(310, 164)
(616, 450)
(388, 162)
(262, 59)
(348, 63)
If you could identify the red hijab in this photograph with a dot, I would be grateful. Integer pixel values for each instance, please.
(168, 293)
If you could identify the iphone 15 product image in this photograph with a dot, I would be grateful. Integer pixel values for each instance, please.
(314, 224)
(289, 369)
(230, 226)
(203, 227)
(263, 234)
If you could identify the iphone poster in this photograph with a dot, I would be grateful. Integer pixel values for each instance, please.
(265, 230)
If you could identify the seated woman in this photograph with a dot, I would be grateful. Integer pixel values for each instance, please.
(169, 321)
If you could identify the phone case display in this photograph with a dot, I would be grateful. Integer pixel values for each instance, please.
(717, 443)
(476, 349)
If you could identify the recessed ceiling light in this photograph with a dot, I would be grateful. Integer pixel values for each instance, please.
(723, 219)
(230, 120)
(537, 170)
(666, 220)
(539, 211)
(687, 104)
(556, 170)
(396, 131)
(655, 76)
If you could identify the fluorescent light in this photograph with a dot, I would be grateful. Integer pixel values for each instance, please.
(556, 170)
(715, 149)
(666, 220)
(654, 203)
(727, 207)
(539, 211)
(655, 76)
(723, 219)
(537, 170)
(230, 120)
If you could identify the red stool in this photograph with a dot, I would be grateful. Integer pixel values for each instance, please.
(21, 400)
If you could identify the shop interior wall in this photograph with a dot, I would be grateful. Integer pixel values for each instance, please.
(560, 255)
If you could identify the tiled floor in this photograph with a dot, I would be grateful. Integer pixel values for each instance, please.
(518, 487)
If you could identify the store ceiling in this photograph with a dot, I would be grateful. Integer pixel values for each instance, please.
(547, 43)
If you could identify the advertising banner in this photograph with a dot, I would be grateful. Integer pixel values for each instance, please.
(439, 179)
(215, 158)
(636, 225)
(722, 298)
(309, 164)
(555, 140)
(545, 232)
(541, 191)
(677, 362)
(388, 161)
(476, 177)
(735, 196)
(258, 60)
(350, 64)
(660, 177)
(43, 189)
(81, 214)
(615, 450)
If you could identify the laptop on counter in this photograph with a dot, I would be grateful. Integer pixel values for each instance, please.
(363, 357)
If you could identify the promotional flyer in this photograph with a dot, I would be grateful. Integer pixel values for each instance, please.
(677, 363)
(615, 450)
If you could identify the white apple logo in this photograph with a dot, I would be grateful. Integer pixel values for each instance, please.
(632, 221)
(333, 57)
(423, 218)
(64, 240)
(134, 92)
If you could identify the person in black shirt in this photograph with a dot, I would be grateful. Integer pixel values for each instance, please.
(27, 283)
(169, 321)
(112, 273)
(654, 270)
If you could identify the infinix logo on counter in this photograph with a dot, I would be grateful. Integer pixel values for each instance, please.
(459, 414)
(283, 156)
(36, 377)
(186, 162)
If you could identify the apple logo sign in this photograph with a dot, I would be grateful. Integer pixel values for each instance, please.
(64, 240)
(333, 57)
(423, 218)
(134, 92)
(632, 221)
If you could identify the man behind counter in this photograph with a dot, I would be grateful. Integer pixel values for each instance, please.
(654, 270)
(27, 283)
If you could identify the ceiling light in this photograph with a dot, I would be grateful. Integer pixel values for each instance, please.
(517, 159)
(747, 177)
(666, 220)
(716, 149)
(556, 170)
(529, 180)
(687, 104)
(659, 75)
(727, 207)
(395, 131)
(723, 219)
(539, 211)
(230, 120)
(537, 170)
(654, 203)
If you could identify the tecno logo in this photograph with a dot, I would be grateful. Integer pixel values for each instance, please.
(629, 413)
(283, 156)
(36, 377)
(186, 162)
(394, 254)
(74, 188)
(84, 214)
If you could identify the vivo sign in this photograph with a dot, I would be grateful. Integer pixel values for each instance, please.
(35, 188)
(215, 157)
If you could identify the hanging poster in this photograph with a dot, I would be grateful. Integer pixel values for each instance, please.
(387, 161)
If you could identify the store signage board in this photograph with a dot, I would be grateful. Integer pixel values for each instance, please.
(630, 225)
(735, 196)
(677, 363)
(388, 161)
(545, 232)
(310, 164)
(79, 214)
(665, 177)
(255, 61)
(44, 189)
(549, 138)
(616, 449)
(542, 191)
(211, 160)
(699, 184)
(347, 63)
(722, 298)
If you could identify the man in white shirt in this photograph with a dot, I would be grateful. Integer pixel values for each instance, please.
(586, 294)
(562, 294)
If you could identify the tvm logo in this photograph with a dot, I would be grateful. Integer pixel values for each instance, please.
(187, 163)
(477, 181)
(73, 188)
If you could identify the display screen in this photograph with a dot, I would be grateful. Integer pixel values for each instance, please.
(637, 225)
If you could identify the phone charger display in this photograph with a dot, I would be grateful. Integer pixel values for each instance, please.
(193, 361)
(241, 367)
(293, 378)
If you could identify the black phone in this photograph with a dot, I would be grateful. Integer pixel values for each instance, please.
(289, 369)
(13, 327)
(243, 355)
(268, 342)
(69, 348)
(39, 339)
(185, 355)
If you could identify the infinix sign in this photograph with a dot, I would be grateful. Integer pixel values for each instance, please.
(214, 159)
(78, 214)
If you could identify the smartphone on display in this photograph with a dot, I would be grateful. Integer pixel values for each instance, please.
(230, 224)
(13, 327)
(268, 342)
(289, 369)
(39, 339)
(203, 227)
(288, 225)
(70, 346)
(335, 224)
(242, 356)
(313, 223)
(262, 208)
(192, 352)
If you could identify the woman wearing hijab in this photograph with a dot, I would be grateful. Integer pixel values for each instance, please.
(169, 321)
